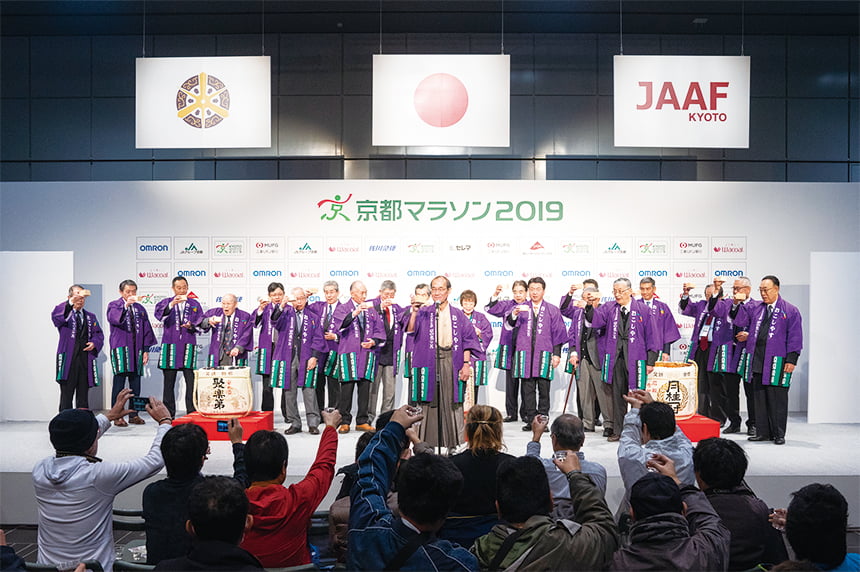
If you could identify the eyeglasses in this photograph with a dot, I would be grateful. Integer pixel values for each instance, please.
(439, 290)
(766, 290)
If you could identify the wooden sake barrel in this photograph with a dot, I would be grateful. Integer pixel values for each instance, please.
(675, 383)
(223, 391)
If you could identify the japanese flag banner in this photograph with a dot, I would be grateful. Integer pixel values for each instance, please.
(682, 101)
(441, 100)
(203, 102)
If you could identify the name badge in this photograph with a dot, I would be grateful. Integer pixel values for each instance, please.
(705, 331)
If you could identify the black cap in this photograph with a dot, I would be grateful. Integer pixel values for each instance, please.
(73, 430)
(655, 494)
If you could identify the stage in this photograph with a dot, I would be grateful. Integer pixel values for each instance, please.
(812, 453)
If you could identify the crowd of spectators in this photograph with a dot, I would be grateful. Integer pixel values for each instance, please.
(401, 506)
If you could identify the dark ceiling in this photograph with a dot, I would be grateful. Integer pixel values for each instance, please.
(109, 17)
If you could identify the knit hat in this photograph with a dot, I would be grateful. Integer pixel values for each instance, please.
(73, 430)
(655, 494)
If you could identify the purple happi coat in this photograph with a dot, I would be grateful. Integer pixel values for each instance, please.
(738, 350)
(130, 336)
(65, 321)
(665, 327)
(479, 357)
(242, 335)
(504, 353)
(641, 340)
(566, 307)
(400, 320)
(327, 351)
(311, 340)
(723, 353)
(424, 353)
(537, 340)
(178, 344)
(353, 361)
(784, 337)
(263, 350)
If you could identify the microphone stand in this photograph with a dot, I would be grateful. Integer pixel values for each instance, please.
(437, 393)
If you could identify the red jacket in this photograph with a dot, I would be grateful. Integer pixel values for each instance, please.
(279, 536)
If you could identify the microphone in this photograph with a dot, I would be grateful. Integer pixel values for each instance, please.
(436, 304)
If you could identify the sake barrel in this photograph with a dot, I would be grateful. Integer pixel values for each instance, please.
(675, 383)
(223, 391)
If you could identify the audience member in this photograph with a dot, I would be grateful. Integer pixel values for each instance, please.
(217, 519)
(474, 511)
(529, 539)
(649, 428)
(9, 560)
(720, 467)
(427, 486)
(568, 435)
(816, 526)
(279, 535)
(674, 526)
(165, 502)
(75, 489)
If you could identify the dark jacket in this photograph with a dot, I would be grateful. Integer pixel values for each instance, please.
(375, 534)
(545, 544)
(165, 510)
(213, 555)
(670, 541)
(754, 540)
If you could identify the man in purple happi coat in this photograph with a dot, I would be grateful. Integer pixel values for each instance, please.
(772, 349)
(708, 331)
(422, 294)
(584, 362)
(359, 331)
(504, 351)
(444, 342)
(665, 327)
(741, 290)
(180, 315)
(266, 342)
(537, 348)
(393, 318)
(628, 347)
(484, 332)
(131, 336)
(232, 333)
(81, 340)
(295, 362)
(327, 355)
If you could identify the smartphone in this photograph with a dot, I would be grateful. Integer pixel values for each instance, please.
(138, 403)
(223, 426)
(560, 455)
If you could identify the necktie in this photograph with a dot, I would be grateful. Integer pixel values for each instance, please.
(624, 313)
(765, 324)
(328, 316)
(79, 323)
(703, 337)
(388, 317)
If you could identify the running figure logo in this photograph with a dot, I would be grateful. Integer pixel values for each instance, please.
(336, 207)
(203, 101)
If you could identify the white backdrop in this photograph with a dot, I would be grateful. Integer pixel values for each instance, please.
(28, 354)
(236, 236)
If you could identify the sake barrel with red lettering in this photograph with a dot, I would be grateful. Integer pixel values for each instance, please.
(223, 391)
(675, 383)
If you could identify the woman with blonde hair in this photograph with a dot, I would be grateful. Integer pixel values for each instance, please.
(474, 513)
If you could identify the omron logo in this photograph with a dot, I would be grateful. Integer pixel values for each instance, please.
(576, 272)
(335, 273)
(498, 273)
(270, 273)
(154, 248)
(653, 273)
(728, 273)
(427, 273)
(196, 273)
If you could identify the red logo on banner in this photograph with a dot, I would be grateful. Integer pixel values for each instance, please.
(441, 100)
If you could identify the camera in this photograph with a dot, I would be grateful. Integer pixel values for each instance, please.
(223, 426)
(138, 403)
(413, 410)
(560, 455)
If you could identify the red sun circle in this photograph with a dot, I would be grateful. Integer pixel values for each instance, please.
(441, 100)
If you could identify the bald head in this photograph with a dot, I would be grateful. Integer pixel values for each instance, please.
(228, 304)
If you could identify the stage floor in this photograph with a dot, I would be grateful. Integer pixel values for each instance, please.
(812, 453)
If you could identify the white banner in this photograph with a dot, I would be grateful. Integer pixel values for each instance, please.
(682, 101)
(445, 100)
(203, 102)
